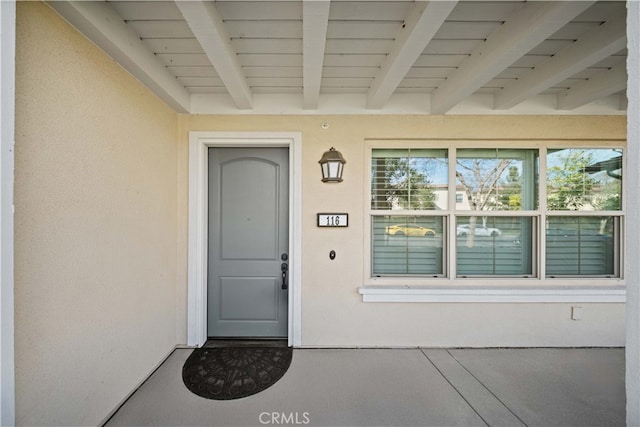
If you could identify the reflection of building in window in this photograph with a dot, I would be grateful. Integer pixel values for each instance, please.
(610, 166)
(442, 194)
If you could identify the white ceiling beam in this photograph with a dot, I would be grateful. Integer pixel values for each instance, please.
(315, 19)
(597, 45)
(529, 26)
(106, 29)
(604, 83)
(206, 24)
(423, 22)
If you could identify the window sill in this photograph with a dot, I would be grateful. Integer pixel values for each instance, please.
(585, 294)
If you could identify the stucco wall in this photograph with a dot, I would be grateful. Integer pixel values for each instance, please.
(95, 226)
(333, 313)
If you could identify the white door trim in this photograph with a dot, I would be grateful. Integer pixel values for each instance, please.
(199, 142)
(7, 143)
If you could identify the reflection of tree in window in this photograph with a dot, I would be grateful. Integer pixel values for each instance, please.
(402, 183)
(609, 172)
(512, 196)
(569, 185)
(575, 182)
(497, 179)
(480, 179)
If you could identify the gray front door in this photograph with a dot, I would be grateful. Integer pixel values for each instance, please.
(248, 242)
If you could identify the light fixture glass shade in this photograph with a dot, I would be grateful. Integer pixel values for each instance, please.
(332, 165)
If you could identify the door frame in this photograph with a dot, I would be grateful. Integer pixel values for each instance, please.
(199, 143)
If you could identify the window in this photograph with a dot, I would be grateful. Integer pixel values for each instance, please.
(582, 184)
(460, 212)
(496, 180)
(581, 246)
(408, 188)
(409, 179)
(408, 245)
(494, 246)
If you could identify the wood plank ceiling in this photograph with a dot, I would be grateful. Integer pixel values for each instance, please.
(436, 54)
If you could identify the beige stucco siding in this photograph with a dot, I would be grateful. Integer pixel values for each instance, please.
(95, 226)
(333, 313)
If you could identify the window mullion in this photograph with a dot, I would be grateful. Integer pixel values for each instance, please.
(541, 231)
(617, 257)
(451, 221)
(408, 174)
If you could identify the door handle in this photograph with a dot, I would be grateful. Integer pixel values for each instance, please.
(284, 267)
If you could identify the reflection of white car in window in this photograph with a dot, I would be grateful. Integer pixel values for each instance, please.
(479, 230)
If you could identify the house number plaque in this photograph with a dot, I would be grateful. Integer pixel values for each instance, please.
(333, 220)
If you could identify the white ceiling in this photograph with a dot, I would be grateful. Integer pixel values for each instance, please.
(309, 56)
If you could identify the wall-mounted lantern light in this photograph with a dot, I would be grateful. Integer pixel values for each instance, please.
(332, 164)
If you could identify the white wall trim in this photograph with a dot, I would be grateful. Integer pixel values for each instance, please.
(7, 143)
(199, 142)
(492, 294)
(632, 189)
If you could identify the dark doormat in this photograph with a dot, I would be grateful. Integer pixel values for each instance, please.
(233, 371)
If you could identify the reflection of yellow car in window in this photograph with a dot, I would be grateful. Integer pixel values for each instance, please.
(409, 230)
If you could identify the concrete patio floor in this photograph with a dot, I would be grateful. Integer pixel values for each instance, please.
(403, 387)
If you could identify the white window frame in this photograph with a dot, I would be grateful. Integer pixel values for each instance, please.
(489, 289)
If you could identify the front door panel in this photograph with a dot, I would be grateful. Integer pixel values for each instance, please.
(248, 233)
